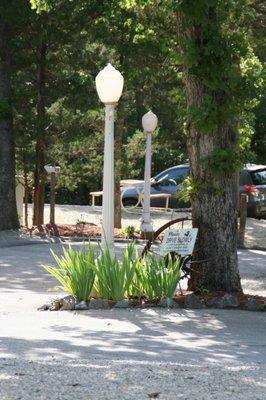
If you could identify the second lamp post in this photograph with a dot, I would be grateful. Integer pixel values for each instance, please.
(149, 124)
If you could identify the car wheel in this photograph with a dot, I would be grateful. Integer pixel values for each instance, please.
(253, 213)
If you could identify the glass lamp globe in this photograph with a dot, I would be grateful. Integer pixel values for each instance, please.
(149, 121)
(109, 85)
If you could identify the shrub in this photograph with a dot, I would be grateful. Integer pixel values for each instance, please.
(74, 271)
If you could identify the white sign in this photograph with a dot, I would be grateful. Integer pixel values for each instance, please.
(50, 169)
(181, 241)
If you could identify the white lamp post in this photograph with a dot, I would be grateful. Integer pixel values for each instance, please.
(149, 123)
(109, 86)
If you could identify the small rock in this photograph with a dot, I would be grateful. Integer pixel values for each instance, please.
(168, 303)
(192, 301)
(147, 304)
(68, 303)
(56, 305)
(175, 304)
(125, 303)
(96, 304)
(229, 301)
(215, 302)
(154, 395)
(179, 302)
(164, 303)
(254, 305)
(45, 307)
(82, 305)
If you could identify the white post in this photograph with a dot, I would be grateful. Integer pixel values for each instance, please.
(149, 123)
(109, 86)
(108, 181)
(146, 223)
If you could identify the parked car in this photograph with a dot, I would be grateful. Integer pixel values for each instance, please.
(166, 182)
(252, 182)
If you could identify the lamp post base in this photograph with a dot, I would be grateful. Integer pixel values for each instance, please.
(146, 230)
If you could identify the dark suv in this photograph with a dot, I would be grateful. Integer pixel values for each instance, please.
(252, 182)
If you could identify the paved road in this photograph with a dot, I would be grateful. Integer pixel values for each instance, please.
(125, 354)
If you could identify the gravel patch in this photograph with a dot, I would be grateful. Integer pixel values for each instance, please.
(255, 236)
(116, 380)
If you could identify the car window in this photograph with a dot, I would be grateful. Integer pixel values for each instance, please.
(172, 177)
(259, 177)
(244, 178)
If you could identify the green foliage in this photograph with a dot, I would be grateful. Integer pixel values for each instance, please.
(164, 153)
(203, 291)
(40, 5)
(129, 231)
(74, 271)
(114, 276)
(153, 280)
(258, 140)
(206, 117)
(133, 276)
(223, 161)
(5, 108)
(189, 188)
(218, 56)
(225, 55)
(141, 284)
(163, 279)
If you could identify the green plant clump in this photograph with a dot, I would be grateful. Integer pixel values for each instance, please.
(133, 276)
(129, 231)
(153, 279)
(141, 285)
(74, 271)
(163, 279)
(113, 276)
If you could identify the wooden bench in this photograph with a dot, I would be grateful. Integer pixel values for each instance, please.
(94, 195)
(165, 196)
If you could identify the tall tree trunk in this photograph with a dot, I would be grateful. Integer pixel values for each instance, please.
(39, 174)
(8, 213)
(215, 199)
(139, 101)
(118, 147)
(26, 192)
(214, 213)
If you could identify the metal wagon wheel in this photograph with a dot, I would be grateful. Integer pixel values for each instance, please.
(187, 265)
(178, 223)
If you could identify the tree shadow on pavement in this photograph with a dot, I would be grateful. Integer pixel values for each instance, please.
(145, 335)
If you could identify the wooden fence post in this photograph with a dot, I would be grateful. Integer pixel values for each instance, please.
(243, 219)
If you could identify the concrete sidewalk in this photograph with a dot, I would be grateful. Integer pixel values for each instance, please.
(125, 354)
